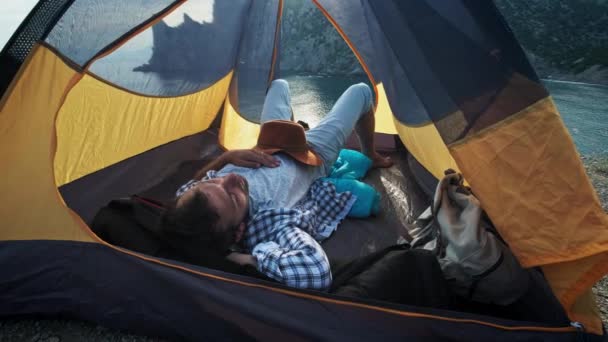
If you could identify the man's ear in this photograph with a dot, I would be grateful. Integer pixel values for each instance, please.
(240, 231)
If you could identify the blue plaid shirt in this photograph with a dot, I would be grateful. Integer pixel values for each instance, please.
(285, 241)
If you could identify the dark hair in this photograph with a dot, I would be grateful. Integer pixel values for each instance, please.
(193, 227)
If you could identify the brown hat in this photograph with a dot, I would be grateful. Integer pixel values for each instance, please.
(288, 137)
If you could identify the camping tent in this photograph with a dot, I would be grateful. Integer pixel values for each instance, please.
(449, 78)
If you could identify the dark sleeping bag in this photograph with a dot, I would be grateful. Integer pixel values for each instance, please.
(395, 274)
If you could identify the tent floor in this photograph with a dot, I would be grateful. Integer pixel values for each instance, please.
(402, 201)
(157, 173)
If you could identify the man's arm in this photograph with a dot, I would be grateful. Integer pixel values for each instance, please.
(295, 259)
(246, 158)
(242, 259)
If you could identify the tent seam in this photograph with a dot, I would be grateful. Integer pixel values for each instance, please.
(292, 293)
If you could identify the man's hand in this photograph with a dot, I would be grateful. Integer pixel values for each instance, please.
(242, 259)
(246, 158)
(250, 158)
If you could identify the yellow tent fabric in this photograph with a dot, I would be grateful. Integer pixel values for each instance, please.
(236, 132)
(31, 205)
(423, 142)
(100, 125)
(558, 212)
(385, 120)
(552, 190)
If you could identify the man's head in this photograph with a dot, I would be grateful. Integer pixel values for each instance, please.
(211, 215)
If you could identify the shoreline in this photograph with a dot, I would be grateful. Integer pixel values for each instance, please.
(601, 85)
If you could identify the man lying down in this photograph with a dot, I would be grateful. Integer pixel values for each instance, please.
(270, 199)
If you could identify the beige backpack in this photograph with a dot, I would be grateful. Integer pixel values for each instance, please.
(477, 264)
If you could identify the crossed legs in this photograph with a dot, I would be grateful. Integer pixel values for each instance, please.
(352, 111)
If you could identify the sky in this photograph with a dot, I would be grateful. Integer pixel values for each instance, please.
(201, 11)
(12, 13)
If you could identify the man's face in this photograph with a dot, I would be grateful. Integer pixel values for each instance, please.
(229, 196)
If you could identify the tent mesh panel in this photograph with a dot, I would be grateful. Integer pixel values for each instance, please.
(34, 28)
(174, 57)
(91, 26)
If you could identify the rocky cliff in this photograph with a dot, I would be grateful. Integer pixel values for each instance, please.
(167, 40)
(564, 39)
(310, 44)
(189, 50)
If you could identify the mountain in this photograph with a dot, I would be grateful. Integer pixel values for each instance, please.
(564, 39)
(310, 44)
(188, 49)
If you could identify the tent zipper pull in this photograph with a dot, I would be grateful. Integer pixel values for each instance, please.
(581, 329)
(578, 326)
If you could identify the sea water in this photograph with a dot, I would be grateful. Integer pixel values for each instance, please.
(583, 107)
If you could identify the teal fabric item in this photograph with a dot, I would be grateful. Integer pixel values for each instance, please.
(345, 174)
(368, 199)
(351, 164)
